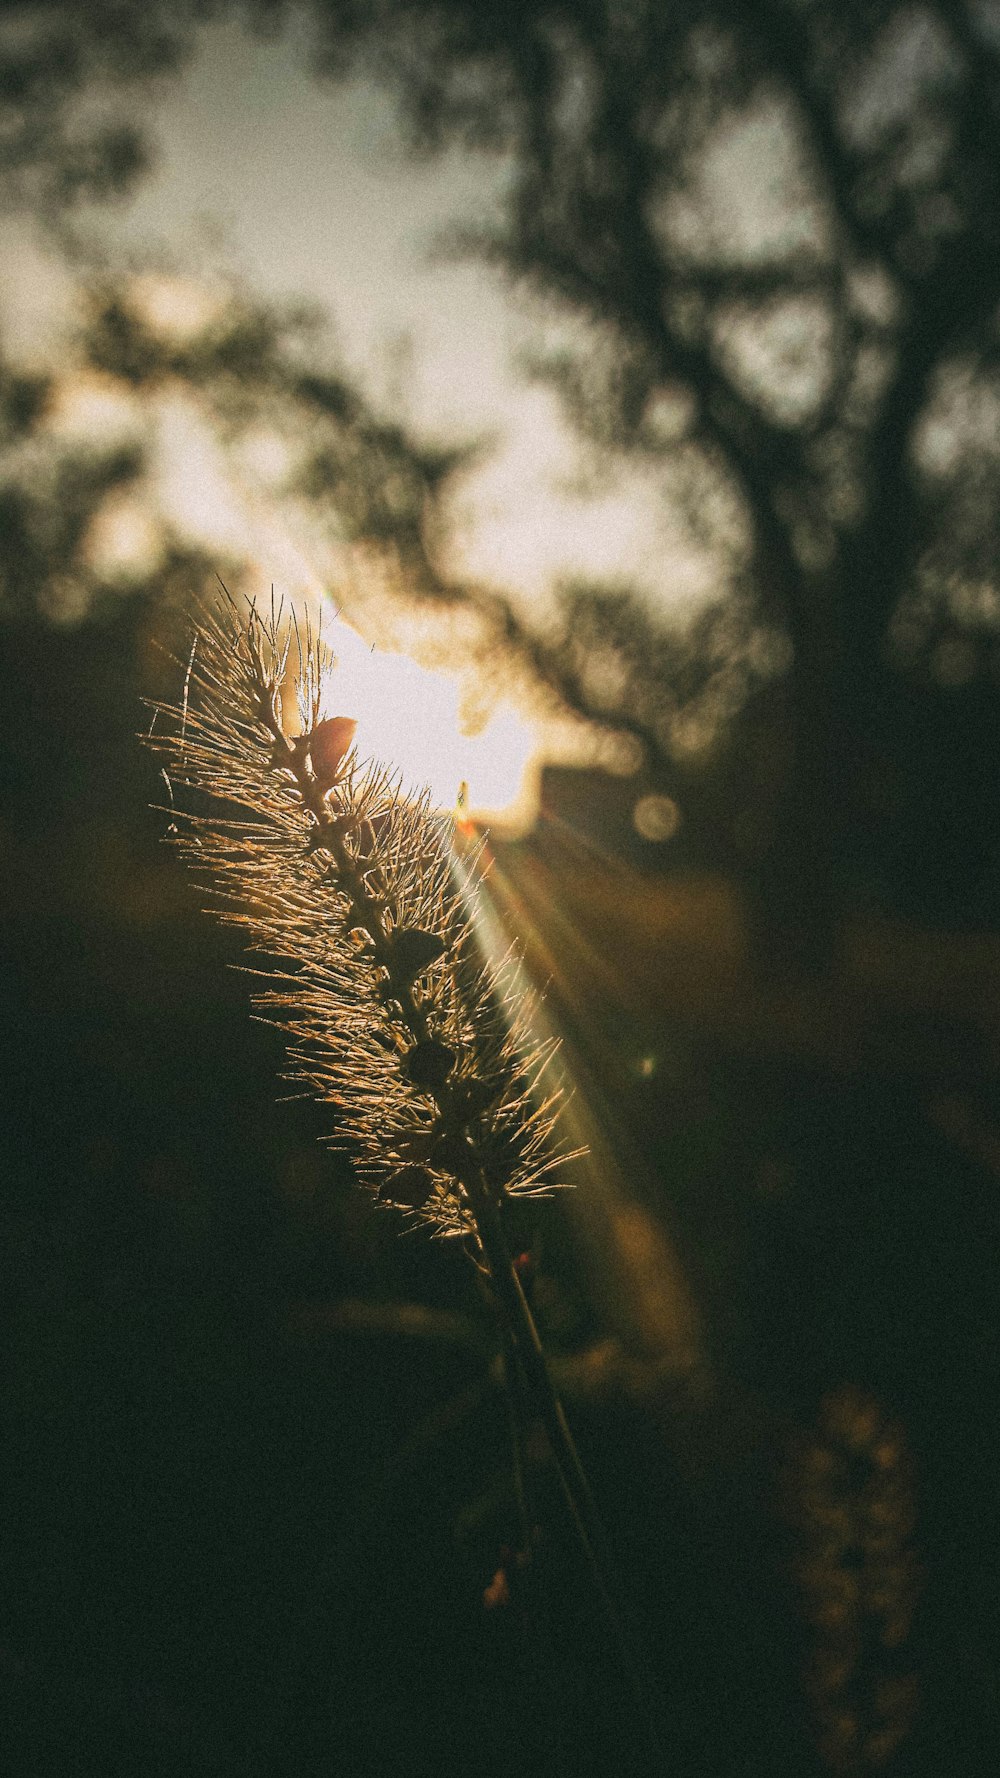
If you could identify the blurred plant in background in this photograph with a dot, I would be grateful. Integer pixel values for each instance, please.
(851, 1500)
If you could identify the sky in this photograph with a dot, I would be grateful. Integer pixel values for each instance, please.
(305, 190)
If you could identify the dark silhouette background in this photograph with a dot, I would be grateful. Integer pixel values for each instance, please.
(252, 1498)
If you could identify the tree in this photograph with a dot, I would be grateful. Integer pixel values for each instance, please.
(775, 227)
(780, 222)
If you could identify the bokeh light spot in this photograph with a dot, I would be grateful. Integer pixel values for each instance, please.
(656, 818)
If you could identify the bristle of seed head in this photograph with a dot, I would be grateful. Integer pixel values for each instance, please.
(424, 1049)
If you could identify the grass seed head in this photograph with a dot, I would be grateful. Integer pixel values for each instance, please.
(355, 894)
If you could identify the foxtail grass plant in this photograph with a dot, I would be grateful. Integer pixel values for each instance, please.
(365, 908)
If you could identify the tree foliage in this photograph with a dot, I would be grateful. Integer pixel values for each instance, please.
(780, 223)
(774, 228)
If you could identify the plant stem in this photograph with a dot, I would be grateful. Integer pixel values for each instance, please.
(573, 1480)
(367, 910)
(527, 1582)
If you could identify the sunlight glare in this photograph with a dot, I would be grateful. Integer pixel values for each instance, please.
(176, 308)
(89, 407)
(123, 540)
(410, 717)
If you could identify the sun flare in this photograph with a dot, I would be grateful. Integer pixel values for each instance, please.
(410, 716)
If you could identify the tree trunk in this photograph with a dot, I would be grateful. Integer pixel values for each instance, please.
(794, 883)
